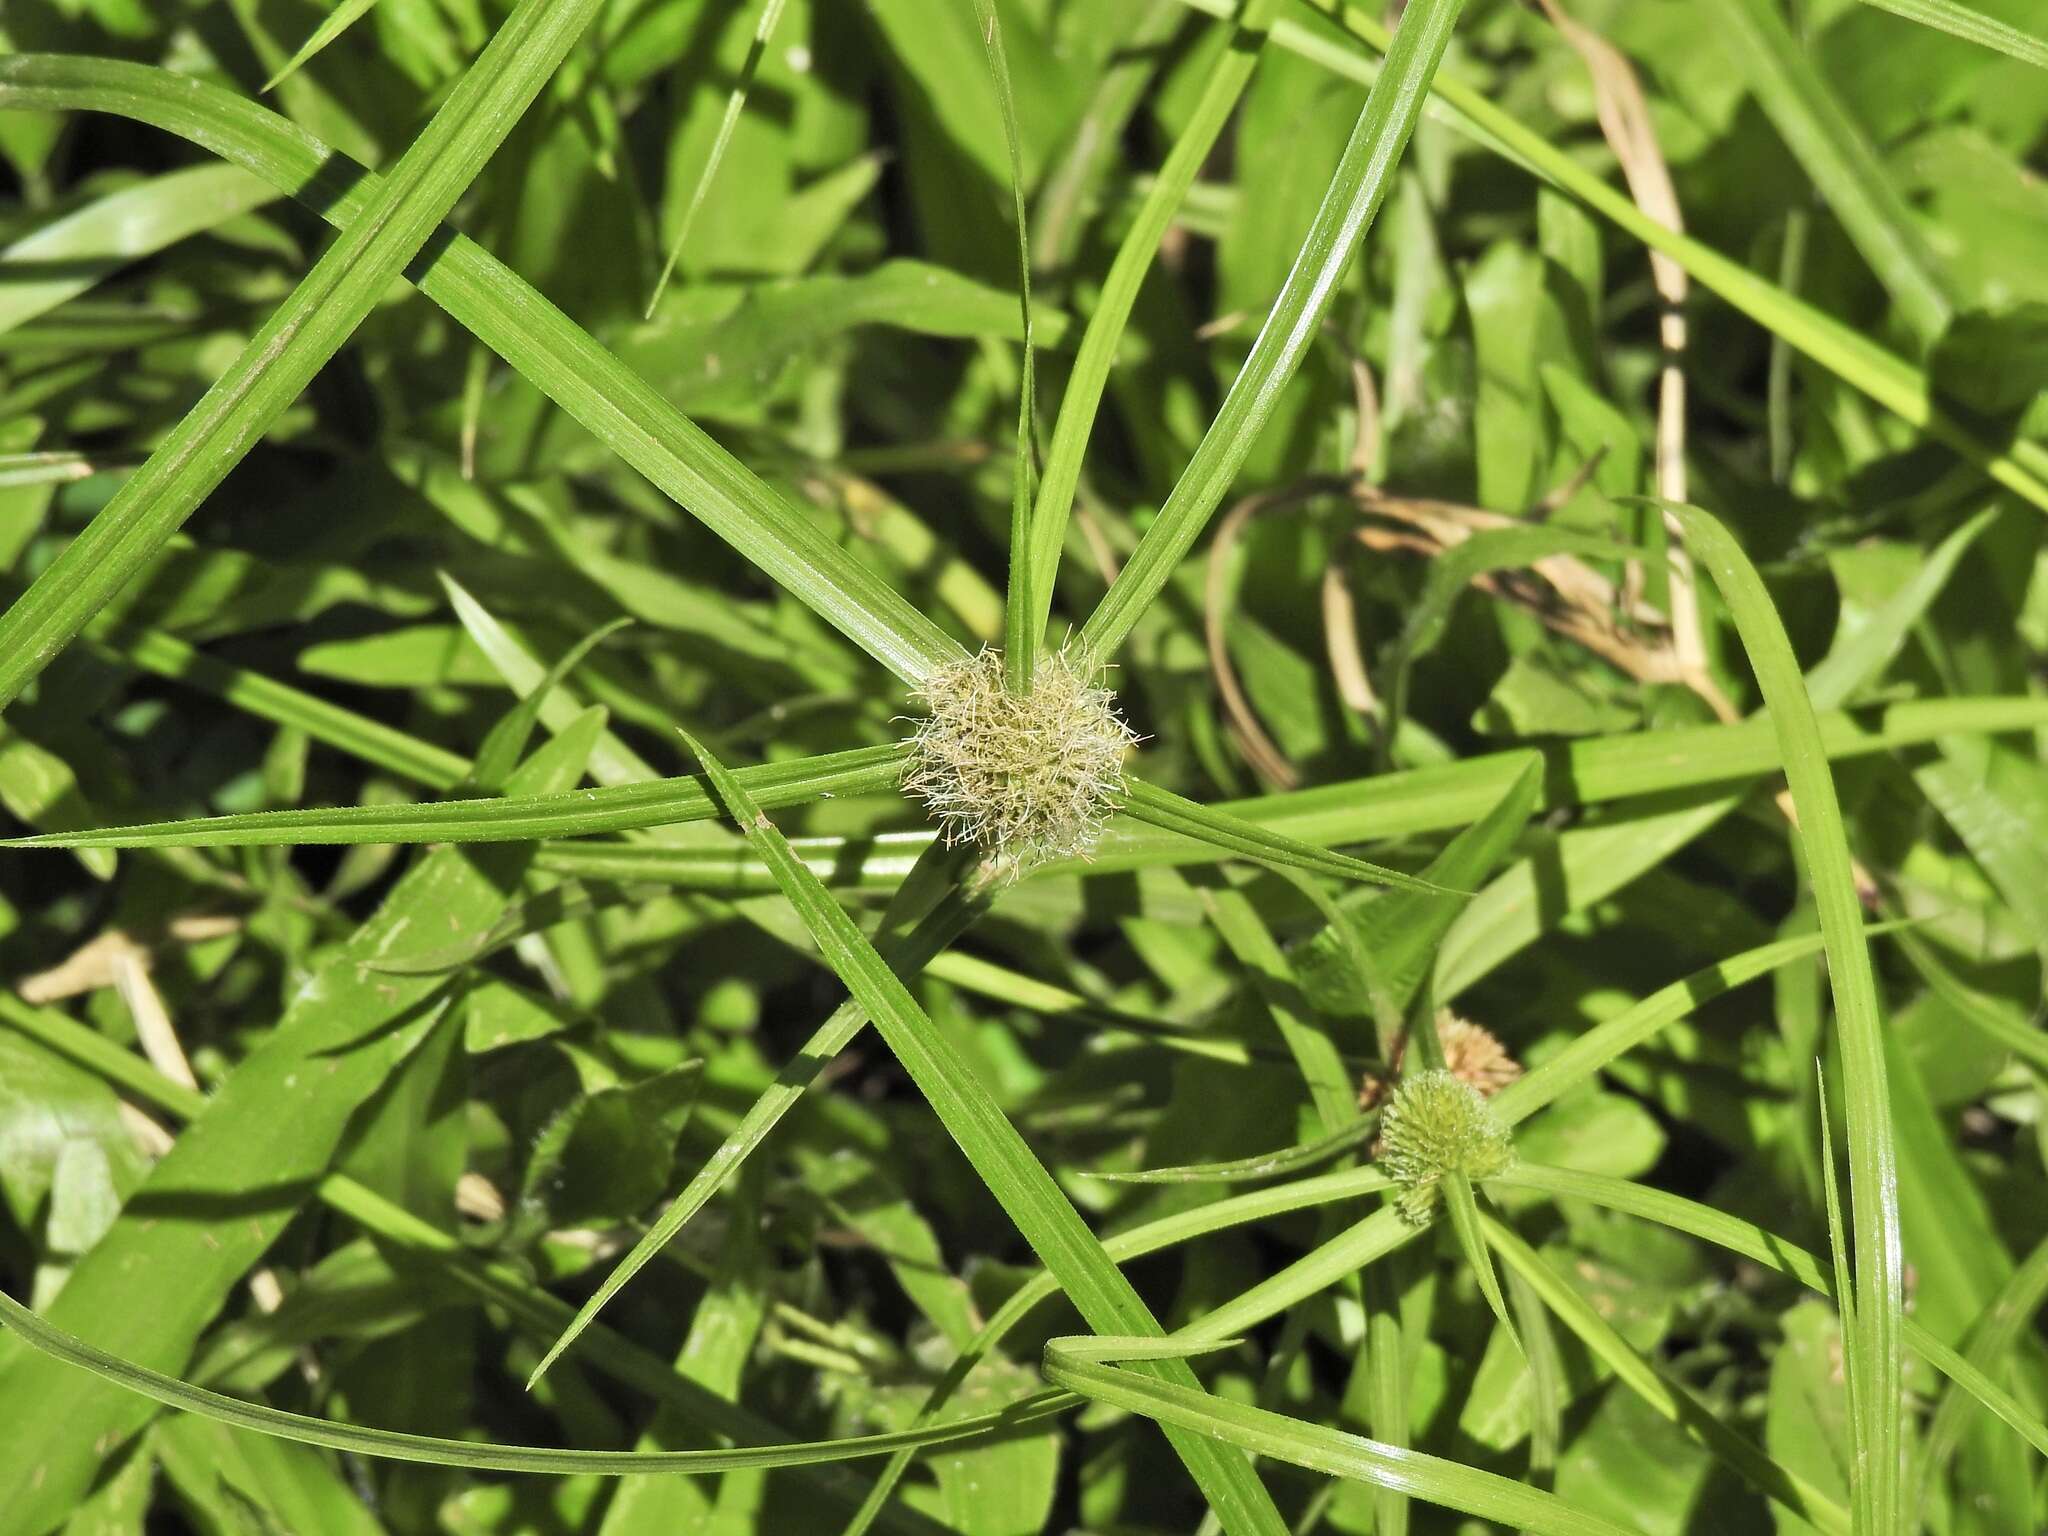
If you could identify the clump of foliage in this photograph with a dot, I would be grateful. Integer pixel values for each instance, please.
(506, 1031)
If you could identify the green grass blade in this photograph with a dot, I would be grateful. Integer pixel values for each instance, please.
(284, 354)
(1836, 156)
(1173, 813)
(369, 740)
(1355, 193)
(1656, 1387)
(336, 22)
(949, 917)
(1082, 400)
(2004, 1322)
(1841, 349)
(530, 1309)
(1080, 1365)
(1773, 1252)
(1239, 1170)
(999, 1154)
(514, 818)
(1874, 1342)
(1972, 26)
(79, 250)
(1462, 1207)
(561, 359)
(771, 13)
(1020, 635)
(434, 1450)
(1586, 1053)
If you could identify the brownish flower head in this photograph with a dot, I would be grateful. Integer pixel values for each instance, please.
(1471, 1054)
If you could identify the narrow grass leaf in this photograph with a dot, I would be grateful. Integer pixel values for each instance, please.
(561, 359)
(999, 1154)
(336, 22)
(1081, 402)
(1972, 26)
(771, 13)
(1244, 1170)
(1020, 634)
(1355, 193)
(303, 333)
(434, 1450)
(1082, 1366)
(1874, 1341)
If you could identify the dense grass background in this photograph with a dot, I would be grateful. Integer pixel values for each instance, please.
(1559, 489)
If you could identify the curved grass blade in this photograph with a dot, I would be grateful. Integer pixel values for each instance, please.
(1971, 25)
(771, 13)
(950, 913)
(1873, 1175)
(437, 1451)
(1655, 1387)
(1359, 186)
(89, 243)
(1836, 157)
(529, 1308)
(998, 1153)
(336, 22)
(1096, 355)
(1773, 1252)
(1164, 809)
(516, 818)
(304, 332)
(1082, 1365)
(1592, 1050)
(504, 312)
(1020, 635)
(1841, 349)
(1244, 1170)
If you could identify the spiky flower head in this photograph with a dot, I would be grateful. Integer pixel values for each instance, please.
(1438, 1124)
(1024, 777)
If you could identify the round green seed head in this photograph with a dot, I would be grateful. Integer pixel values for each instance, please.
(1436, 1125)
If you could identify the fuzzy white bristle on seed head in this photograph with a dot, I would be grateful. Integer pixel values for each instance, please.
(1025, 777)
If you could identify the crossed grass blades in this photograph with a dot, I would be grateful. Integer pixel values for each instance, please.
(366, 1097)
